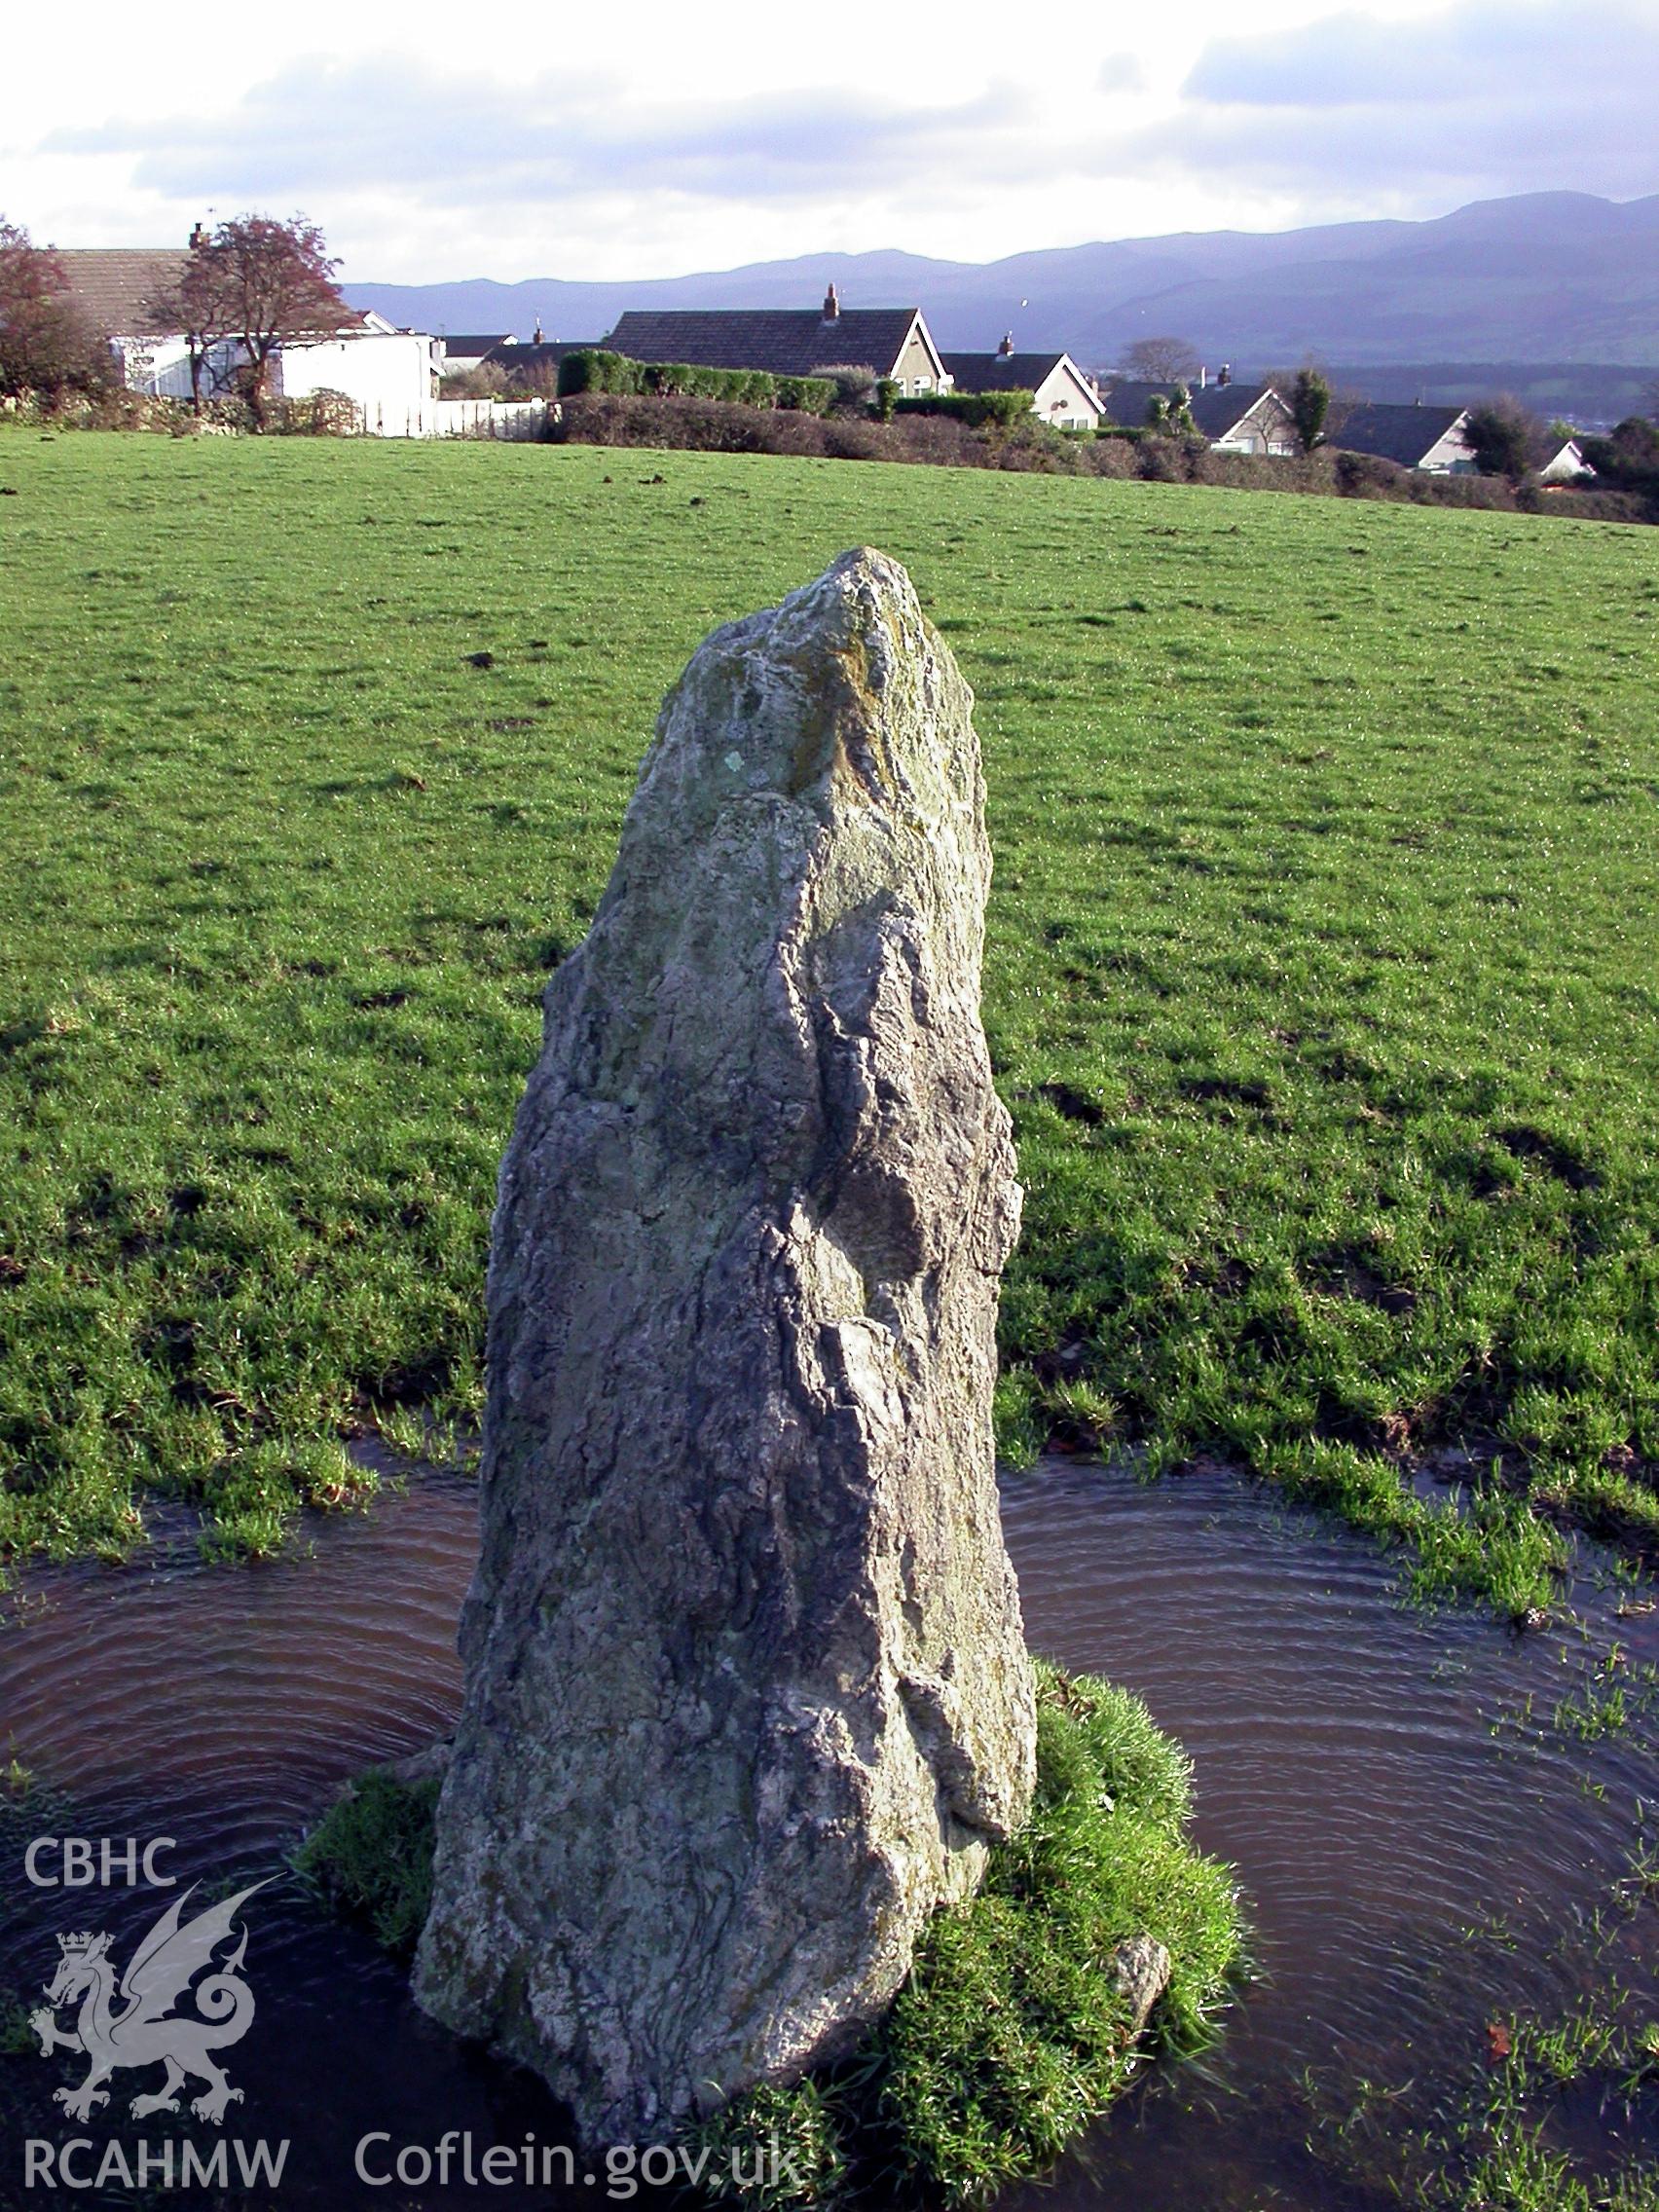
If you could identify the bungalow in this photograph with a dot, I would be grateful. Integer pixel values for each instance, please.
(893, 342)
(1060, 393)
(1233, 418)
(388, 372)
(1434, 439)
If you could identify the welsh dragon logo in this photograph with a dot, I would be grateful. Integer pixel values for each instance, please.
(129, 2024)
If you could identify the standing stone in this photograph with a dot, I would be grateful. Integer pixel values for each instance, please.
(746, 1692)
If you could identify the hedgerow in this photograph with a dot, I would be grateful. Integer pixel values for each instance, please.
(595, 369)
(1003, 409)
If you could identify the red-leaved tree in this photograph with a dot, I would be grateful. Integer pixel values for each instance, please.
(44, 341)
(257, 283)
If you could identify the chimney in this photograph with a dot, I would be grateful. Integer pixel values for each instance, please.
(198, 237)
(1007, 346)
(1203, 377)
(537, 340)
(1225, 374)
(832, 306)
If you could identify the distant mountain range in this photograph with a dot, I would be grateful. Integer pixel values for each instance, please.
(1552, 279)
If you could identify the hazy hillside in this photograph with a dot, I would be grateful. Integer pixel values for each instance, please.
(1545, 277)
(1590, 395)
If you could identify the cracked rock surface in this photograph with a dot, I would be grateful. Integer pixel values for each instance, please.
(746, 1692)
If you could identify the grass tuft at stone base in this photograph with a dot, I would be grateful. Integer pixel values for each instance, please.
(1012, 2033)
(371, 1856)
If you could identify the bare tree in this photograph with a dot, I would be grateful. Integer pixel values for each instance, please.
(199, 306)
(260, 284)
(1160, 361)
(488, 381)
(45, 343)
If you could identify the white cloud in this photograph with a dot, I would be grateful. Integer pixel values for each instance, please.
(615, 143)
(1121, 72)
(322, 127)
(1481, 99)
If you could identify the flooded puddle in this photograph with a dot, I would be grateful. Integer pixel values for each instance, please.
(1413, 1851)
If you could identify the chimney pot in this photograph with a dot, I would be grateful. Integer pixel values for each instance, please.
(1007, 346)
(1225, 373)
(831, 305)
(198, 237)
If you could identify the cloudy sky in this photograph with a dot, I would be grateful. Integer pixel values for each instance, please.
(642, 139)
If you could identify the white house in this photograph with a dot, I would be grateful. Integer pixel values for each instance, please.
(1251, 418)
(1566, 464)
(1060, 393)
(391, 373)
(1235, 418)
(388, 372)
(1434, 439)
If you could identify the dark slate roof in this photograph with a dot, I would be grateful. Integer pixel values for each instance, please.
(1127, 402)
(113, 285)
(1220, 406)
(1392, 432)
(1216, 407)
(790, 342)
(474, 345)
(1003, 372)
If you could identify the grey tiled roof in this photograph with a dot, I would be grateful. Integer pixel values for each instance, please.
(1220, 407)
(1392, 432)
(790, 342)
(1129, 402)
(113, 284)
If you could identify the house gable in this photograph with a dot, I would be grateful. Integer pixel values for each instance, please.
(1452, 453)
(1060, 391)
(1235, 418)
(1433, 438)
(919, 365)
(1245, 418)
(1566, 464)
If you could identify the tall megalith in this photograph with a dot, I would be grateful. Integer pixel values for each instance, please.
(747, 1694)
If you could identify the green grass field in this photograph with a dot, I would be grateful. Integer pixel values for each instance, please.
(1322, 980)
